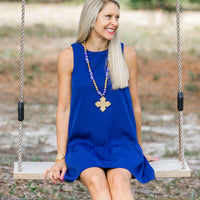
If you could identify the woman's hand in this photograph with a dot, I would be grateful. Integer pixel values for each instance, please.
(150, 158)
(54, 171)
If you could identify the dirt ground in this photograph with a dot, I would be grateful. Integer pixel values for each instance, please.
(153, 36)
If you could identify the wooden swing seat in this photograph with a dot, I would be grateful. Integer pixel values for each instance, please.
(163, 169)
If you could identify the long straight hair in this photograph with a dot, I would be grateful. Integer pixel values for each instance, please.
(118, 68)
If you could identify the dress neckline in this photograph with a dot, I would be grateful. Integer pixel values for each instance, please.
(94, 51)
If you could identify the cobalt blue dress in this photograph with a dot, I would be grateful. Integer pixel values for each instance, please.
(101, 139)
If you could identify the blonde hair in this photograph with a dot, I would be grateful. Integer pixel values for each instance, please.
(119, 72)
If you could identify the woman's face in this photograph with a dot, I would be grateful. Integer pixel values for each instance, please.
(107, 21)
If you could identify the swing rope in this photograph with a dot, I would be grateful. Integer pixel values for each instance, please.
(180, 94)
(21, 104)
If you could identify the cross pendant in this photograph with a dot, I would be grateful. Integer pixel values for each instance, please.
(102, 104)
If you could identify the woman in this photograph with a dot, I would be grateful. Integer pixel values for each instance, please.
(99, 116)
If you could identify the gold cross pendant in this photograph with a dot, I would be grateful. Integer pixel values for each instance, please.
(102, 104)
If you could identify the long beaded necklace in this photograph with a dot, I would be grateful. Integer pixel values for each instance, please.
(102, 104)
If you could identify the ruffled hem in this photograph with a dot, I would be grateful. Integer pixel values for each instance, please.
(82, 156)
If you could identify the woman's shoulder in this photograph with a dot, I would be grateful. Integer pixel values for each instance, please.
(129, 52)
(65, 59)
(66, 52)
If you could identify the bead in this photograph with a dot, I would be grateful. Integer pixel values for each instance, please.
(91, 74)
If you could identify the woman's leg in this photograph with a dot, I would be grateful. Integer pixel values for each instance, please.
(119, 180)
(94, 179)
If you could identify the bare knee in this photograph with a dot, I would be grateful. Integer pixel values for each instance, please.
(95, 180)
(92, 177)
(119, 178)
(120, 184)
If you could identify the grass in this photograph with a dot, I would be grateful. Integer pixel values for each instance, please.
(195, 195)
(148, 137)
(15, 75)
(8, 31)
(3, 135)
(156, 77)
(12, 190)
(169, 106)
(193, 51)
(35, 68)
(41, 30)
(8, 52)
(195, 154)
(28, 78)
(3, 67)
(7, 159)
(193, 76)
(160, 105)
(135, 38)
(36, 159)
(191, 87)
(170, 153)
(37, 30)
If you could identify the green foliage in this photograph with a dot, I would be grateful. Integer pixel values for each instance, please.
(194, 1)
(168, 5)
(154, 4)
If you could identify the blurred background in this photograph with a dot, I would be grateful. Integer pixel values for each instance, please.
(149, 27)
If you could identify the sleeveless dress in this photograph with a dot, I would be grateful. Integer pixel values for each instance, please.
(101, 139)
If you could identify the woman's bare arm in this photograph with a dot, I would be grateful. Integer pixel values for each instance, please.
(131, 60)
(64, 71)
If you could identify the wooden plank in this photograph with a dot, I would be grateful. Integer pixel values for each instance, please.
(170, 169)
(162, 168)
(31, 170)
